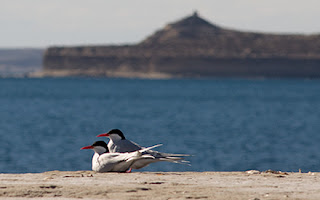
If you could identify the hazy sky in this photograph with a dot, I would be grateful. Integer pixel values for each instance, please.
(41, 23)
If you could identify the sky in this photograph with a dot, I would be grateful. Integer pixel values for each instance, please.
(40, 23)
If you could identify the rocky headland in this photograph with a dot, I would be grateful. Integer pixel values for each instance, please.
(193, 47)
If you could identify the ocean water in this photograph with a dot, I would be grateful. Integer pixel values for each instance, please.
(226, 124)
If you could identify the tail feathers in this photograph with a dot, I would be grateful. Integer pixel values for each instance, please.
(175, 154)
(172, 158)
(138, 156)
(160, 154)
(147, 153)
(166, 155)
(177, 160)
(149, 148)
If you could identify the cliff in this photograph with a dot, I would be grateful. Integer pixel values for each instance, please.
(193, 47)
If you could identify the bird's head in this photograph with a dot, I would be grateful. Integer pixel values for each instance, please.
(114, 134)
(99, 147)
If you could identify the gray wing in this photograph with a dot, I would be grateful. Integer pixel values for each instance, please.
(123, 146)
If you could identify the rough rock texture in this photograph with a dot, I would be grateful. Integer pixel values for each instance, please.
(193, 47)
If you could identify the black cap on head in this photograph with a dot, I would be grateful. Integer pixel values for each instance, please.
(117, 131)
(102, 144)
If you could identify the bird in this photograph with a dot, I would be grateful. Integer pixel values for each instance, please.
(119, 143)
(104, 161)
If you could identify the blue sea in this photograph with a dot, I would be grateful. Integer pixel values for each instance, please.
(226, 124)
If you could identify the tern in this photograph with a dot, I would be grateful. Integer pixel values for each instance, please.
(104, 161)
(118, 143)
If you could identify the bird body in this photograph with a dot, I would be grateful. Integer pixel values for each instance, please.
(118, 143)
(116, 162)
(104, 161)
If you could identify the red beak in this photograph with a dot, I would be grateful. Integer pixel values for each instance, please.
(87, 147)
(103, 135)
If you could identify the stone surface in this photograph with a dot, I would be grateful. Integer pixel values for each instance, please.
(193, 47)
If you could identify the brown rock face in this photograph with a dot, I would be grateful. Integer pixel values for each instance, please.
(194, 47)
